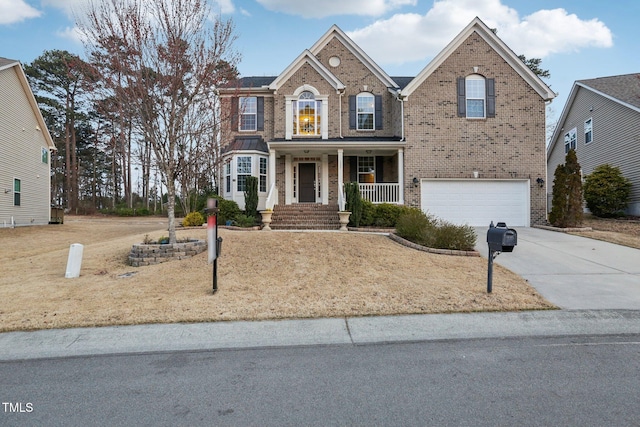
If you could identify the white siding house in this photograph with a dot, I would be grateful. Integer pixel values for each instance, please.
(25, 152)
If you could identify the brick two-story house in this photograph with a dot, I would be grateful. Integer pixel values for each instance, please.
(463, 140)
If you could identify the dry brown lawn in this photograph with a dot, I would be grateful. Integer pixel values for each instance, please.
(620, 231)
(261, 275)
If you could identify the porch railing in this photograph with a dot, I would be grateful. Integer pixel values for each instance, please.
(272, 197)
(380, 193)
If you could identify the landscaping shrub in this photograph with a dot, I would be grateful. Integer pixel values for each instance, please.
(566, 202)
(368, 211)
(455, 237)
(194, 219)
(228, 210)
(606, 191)
(245, 220)
(251, 197)
(354, 203)
(418, 227)
(387, 214)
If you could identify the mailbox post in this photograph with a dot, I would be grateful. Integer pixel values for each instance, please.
(500, 239)
(215, 242)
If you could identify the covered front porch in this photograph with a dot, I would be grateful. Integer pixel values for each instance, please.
(315, 171)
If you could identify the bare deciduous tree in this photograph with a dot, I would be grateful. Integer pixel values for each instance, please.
(163, 59)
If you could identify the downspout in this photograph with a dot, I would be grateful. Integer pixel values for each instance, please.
(401, 99)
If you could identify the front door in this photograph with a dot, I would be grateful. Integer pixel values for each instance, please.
(307, 183)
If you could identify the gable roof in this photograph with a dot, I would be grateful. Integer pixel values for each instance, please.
(479, 27)
(336, 32)
(306, 57)
(6, 64)
(623, 89)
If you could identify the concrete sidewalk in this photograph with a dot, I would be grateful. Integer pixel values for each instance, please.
(573, 272)
(351, 331)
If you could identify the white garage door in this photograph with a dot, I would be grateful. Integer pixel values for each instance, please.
(477, 202)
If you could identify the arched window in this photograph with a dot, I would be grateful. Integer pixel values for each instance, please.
(476, 93)
(306, 114)
(365, 110)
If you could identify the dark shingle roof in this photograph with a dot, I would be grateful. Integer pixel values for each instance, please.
(247, 143)
(249, 82)
(6, 61)
(625, 88)
(402, 81)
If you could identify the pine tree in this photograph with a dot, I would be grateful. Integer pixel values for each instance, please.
(566, 202)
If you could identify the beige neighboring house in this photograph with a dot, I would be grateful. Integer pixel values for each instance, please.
(601, 122)
(25, 152)
(463, 140)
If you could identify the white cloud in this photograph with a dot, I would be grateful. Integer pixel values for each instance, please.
(12, 11)
(224, 6)
(323, 8)
(411, 37)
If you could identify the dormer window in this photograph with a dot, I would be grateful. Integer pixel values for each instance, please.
(306, 114)
(365, 109)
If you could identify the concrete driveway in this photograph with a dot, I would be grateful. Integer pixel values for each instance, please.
(573, 272)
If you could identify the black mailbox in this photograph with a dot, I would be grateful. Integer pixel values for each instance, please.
(501, 238)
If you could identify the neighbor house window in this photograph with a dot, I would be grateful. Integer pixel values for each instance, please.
(248, 113)
(365, 104)
(366, 169)
(306, 114)
(227, 177)
(16, 192)
(570, 140)
(588, 131)
(263, 174)
(45, 155)
(243, 170)
(475, 96)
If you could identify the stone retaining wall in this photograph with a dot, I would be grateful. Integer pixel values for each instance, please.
(142, 254)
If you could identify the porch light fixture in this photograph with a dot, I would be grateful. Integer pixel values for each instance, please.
(476, 174)
(306, 151)
(368, 151)
(540, 182)
(415, 181)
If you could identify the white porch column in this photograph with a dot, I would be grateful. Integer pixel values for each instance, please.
(340, 172)
(401, 175)
(325, 179)
(288, 180)
(272, 167)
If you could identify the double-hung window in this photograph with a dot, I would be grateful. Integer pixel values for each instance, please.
(366, 169)
(588, 131)
(243, 169)
(248, 113)
(227, 177)
(570, 140)
(263, 174)
(476, 93)
(17, 189)
(365, 108)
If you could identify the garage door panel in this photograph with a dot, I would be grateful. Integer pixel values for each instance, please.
(477, 202)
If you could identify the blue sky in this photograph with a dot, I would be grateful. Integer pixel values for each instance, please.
(576, 39)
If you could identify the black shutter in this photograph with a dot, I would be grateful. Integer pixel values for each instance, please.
(378, 109)
(234, 113)
(352, 112)
(379, 169)
(462, 99)
(353, 169)
(491, 97)
(260, 111)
